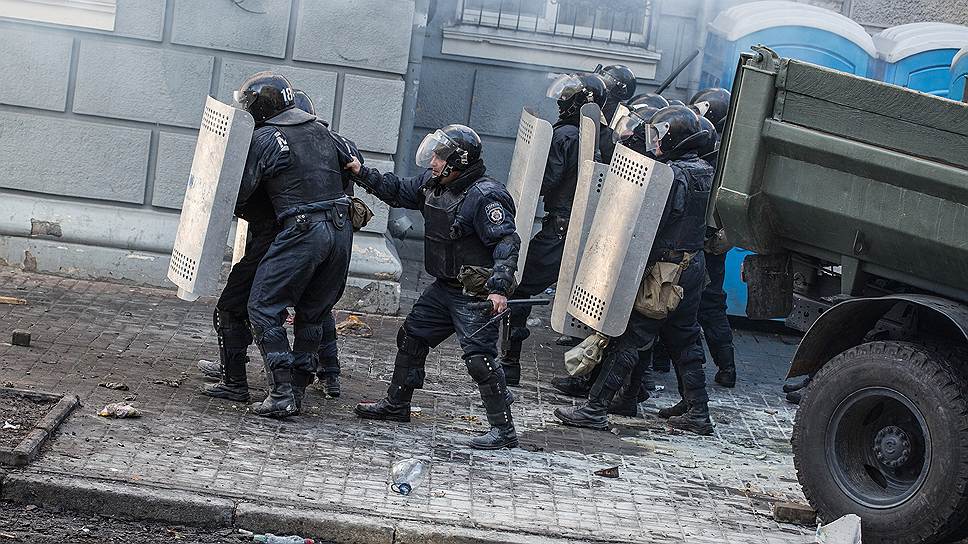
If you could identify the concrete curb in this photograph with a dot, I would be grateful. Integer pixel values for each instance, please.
(118, 500)
(139, 502)
(29, 448)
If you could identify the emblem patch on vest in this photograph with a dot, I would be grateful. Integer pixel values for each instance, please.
(495, 213)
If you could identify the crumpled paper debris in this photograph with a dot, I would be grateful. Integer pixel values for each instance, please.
(119, 410)
(354, 326)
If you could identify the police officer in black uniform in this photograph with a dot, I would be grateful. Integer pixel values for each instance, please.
(558, 188)
(296, 161)
(619, 86)
(714, 105)
(469, 234)
(674, 136)
(230, 317)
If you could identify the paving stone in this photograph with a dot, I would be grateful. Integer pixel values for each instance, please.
(672, 487)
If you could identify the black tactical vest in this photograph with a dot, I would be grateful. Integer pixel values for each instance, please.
(688, 232)
(314, 173)
(446, 249)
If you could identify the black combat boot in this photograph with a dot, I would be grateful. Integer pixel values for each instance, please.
(724, 359)
(677, 410)
(573, 386)
(395, 407)
(794, 397)
(281, 401)
(300, 381)
(494, 393)
(694, 420)
(593, 414)
(624, 404)
(233, 343)
(796, 386)
(328, 374)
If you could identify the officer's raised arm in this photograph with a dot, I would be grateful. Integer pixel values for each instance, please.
(396, 191)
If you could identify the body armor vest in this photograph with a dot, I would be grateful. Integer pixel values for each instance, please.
(688, 232)
(314, 173)
(446, 249)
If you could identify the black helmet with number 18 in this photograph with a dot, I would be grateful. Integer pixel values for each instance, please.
(265, 95)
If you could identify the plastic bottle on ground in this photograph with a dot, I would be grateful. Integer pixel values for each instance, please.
(408, 474)
(270, 538)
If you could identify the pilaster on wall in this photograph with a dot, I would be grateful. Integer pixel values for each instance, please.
(98, 128)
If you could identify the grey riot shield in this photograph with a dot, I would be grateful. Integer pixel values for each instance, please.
(213, 187)
(524, 180)
(591, 178)
(635, 192)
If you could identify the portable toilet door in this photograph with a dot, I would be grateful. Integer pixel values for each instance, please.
(801, 31)
(919, 55)
(958, 86)
(792, 29)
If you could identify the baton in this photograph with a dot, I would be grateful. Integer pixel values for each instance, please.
(675, 73)
(487, 306)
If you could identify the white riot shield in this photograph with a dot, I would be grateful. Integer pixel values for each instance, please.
(591, 178)
(634, 194)
(524, 180)
(213, 187)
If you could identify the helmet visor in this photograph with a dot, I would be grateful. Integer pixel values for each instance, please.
(435, 144)
(701, 108)
(245, 99)
(564, 87)
(634, 125)
(621, 111)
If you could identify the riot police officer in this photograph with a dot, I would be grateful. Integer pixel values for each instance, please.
(543, 261)
(673, 136)
(714, 106)
(296, 161)
(471, 248)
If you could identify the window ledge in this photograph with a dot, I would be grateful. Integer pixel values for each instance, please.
(95, 14)
(545, 50)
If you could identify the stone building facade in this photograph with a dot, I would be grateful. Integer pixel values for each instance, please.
(98, 122)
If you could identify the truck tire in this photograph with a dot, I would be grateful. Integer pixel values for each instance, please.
(882, 432)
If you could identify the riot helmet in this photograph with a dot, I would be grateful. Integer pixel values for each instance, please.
(619, 81)
(649, 99)
(265, 95)
(676, 102)
(715, 105)
(459, 146)
(572, 91)
(710, 146)
(682, 131)
(305, 103)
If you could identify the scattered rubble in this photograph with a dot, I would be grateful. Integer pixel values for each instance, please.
(354, 326)
(117, 386)
(119, 410)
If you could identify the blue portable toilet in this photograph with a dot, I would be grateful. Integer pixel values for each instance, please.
(809, 33)
(918, 55)
(801, 31)
(958, 88)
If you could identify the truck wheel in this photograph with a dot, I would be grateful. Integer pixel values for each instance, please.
(882, 432)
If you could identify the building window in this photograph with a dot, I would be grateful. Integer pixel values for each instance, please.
(96, 14)
(608, 21)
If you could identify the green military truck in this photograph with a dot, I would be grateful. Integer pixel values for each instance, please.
(854, 195)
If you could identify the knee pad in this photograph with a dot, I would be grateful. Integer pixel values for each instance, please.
(273, 339)
(481, 367)
(412, 345)
(305, 361)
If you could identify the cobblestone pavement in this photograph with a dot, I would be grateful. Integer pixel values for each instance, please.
(672, 487)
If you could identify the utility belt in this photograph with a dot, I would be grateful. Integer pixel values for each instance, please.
(554, 225)
(335, 214)
(659, 292)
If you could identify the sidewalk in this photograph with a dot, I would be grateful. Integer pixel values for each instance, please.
(672, 487)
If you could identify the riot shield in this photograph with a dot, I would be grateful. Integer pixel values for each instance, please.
(213, 187)
(635, 192)
(591, 178)
(524, 180)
